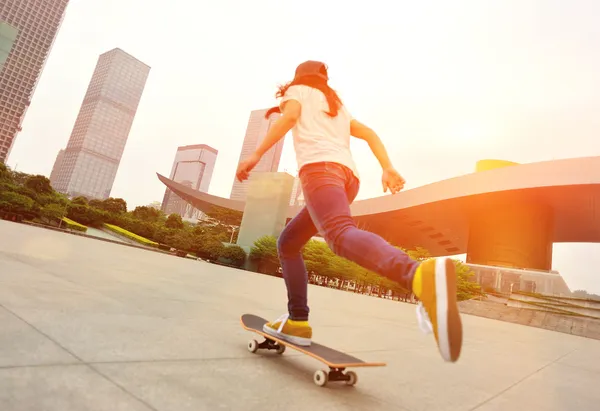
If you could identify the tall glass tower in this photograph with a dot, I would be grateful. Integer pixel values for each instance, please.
(36, 23)
(89, 163)
(257, 129)
(193, 167)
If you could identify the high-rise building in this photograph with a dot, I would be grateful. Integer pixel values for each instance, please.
(8, 35)
(90, 162)
(193, 167)
(257, 129)
(56, 168)
(155, 204)
(297, 198)
(36, 23)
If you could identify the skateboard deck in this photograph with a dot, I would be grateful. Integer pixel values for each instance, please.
(336, 360)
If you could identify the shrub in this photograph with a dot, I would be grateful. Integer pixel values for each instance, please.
(235, 254)
(264, 254)
(210, 249)
(74, 225)
(131, 235)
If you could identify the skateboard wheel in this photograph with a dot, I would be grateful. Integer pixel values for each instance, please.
(320, 378)
(280, 349)
(252, 346)
(353, 378)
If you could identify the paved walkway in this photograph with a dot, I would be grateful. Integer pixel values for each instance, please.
(90, 325)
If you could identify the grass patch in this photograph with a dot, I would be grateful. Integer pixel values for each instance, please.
(74, 225)
(131, 235)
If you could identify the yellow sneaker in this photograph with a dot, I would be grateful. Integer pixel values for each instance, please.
(296, 332)
(434, 284)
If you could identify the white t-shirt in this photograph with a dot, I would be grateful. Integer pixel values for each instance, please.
(317, 136)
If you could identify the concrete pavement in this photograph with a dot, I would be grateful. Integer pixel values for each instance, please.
(91, 325)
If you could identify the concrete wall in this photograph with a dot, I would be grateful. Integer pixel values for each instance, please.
(266, 207)
(555, 304)
(584, 327)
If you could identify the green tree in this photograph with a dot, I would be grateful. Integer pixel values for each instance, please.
(39, 184)
(53, 211)
(46, 199)
(316, 256)
(111, 205)
(222, 223)
(18, 177)
(15, 202)
(174, 221)
(212, 229)
(81, 200)
(180, 240)
(225, 216)
(86, 215)
(146, 213)
(94, 202)
(585, 295)
(5, 174)
(418, 253)
(344, 269)
(466, 287)
(145, 229)
(7, 186)
(26, 191)
(162, 233)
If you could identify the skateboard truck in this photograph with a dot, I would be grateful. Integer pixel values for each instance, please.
(321, 377)
(267, 344)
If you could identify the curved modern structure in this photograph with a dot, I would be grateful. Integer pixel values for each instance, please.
(504, 214)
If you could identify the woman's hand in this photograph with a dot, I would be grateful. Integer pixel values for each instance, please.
(392, 180)
(246, 166)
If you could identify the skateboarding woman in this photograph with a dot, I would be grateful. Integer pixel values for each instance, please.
(321, 127)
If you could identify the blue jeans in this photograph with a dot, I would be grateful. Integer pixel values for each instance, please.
(329, 189)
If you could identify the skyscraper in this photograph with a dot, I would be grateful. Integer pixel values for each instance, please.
(193, 166)
(56, 168)
(36, 23)
(257, 129)
(297, 197)
(90, 162)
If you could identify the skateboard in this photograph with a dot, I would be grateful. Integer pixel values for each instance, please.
(336, 361)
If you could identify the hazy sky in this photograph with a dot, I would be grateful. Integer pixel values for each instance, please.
(444, 83)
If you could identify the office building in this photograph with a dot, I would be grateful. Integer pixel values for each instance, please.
(266, 208)
(193, 167)
(56, 167)
(257, 129)
(155, 205)
(297, 198)
(91, 159)
(36, 23)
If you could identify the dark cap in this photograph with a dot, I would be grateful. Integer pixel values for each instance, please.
(312, 68)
